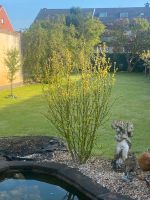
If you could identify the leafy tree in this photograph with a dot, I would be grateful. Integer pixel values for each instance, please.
(13, 65)
(77, 108)
(47, 36)
(34, 51)
(84, 29)
(38, 42)
(87, 26)
(93, 30)
(130, 37)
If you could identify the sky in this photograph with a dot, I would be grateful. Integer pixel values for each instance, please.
(23, 12)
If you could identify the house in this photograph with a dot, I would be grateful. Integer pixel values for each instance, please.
(4, 21)
(106, 15)
(109, 16)
(9, 39)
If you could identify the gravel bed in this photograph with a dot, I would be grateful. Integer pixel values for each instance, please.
(100, 170)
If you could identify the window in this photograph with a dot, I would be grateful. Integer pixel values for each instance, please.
(2, 21)
(141, 14)
(102, 14)
(124, 15)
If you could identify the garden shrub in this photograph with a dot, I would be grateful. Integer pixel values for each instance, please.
(77, 107)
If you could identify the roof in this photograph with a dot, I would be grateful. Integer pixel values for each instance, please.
(5, 24)
(132, 12)
(111, 13)
(49, 13)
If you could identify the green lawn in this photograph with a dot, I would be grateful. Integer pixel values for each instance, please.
(24, 115)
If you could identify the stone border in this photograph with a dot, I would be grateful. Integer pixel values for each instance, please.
(70, 176)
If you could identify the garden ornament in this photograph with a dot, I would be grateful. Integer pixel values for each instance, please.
(124, 131)
(144, 161)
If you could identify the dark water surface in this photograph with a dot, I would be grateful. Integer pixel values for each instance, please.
(33, 187)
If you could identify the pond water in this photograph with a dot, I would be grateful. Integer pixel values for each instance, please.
(19, 187)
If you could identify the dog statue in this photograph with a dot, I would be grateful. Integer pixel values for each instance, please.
(124, 131)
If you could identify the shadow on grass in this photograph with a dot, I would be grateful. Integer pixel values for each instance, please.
(25, 118)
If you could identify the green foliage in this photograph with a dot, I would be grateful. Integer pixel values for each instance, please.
(75, 17)
(145, 56)
(13, 65)
(93, 29)
(139, 24)
(48, 36)
(77, 108)
(130, 37)
(34, 51)
(87, 26)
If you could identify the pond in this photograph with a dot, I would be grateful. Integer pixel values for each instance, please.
(27, 186)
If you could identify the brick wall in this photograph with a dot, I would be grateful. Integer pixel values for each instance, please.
(8, 41)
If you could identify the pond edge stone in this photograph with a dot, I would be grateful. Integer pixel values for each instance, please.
(71, 176)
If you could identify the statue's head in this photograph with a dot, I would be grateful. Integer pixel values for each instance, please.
(123, 129)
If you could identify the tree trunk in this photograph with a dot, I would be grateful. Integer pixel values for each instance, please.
(145, 70)
(11, 89)
(130, 68)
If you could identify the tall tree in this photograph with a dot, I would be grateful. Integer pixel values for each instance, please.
(87, 26)
(87, 30)
(34, 51)
(48, 36)
(130, 37)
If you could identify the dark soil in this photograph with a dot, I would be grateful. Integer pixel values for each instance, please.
(24, 146)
